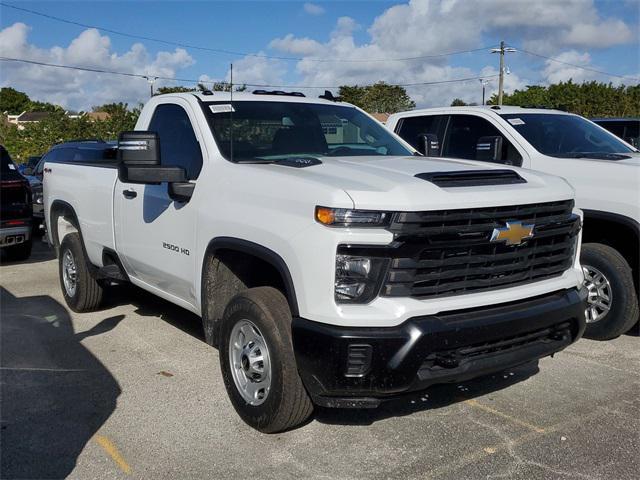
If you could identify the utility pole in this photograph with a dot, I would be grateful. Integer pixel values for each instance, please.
(501, 51)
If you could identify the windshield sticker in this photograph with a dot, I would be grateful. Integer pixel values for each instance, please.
(224, 108)
(515, 121)
(11, 167)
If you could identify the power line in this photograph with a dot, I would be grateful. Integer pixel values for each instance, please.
(191, 80)
(575, 65)
(236, 53)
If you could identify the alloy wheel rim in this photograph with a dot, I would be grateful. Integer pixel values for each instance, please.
(69, 273)
(250, 362)
(599, 294)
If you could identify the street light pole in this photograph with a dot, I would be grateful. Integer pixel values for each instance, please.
(484, 84)
(151, 81)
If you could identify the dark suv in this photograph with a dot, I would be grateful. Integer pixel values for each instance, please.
(627, 129)
(80, 151)
(15, 210)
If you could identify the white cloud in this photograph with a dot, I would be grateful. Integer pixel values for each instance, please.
(429, 27)
(80, 90)
(313, 9)
(556, 72)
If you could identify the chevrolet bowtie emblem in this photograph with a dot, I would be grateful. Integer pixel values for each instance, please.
(514, 233)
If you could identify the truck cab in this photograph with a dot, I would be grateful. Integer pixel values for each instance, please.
(603, 169)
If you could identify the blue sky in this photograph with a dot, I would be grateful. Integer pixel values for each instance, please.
(601, 35)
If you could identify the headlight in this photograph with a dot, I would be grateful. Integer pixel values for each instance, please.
(358, 278)
(344, 217)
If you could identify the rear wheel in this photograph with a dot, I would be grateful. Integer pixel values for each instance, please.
(258, 363)
(612, 304)
(80, 290)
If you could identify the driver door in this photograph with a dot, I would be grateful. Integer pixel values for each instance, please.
(155, 235)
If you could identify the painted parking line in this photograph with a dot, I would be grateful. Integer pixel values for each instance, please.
(475, 404)
(108, 446)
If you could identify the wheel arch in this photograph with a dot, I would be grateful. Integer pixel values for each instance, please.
(617, 231)
(61, 209)
(257, 251)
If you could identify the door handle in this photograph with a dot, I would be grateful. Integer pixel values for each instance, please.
(129, 194)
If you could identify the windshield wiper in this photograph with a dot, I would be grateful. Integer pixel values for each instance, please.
(594, 155)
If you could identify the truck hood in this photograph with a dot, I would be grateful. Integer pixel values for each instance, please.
(391, 183)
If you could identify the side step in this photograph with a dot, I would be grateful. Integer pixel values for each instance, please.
(112, 272)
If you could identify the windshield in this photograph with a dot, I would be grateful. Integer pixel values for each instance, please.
(567, 136)
(268, 131)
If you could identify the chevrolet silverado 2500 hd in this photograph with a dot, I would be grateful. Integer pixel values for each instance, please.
(330, 263)
(604, 170)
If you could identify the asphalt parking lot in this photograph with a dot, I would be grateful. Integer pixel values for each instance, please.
(132, 391)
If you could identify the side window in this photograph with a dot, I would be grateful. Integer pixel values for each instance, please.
(40, 167)
(462, 137)
(178, 144)
(411, 128)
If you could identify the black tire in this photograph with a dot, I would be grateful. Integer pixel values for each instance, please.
(287, 403)
(624, 302)
(88, 293)
(19, 252)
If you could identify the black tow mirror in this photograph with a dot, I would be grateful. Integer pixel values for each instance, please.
(489, 149)
(139, 160)
(429, 144)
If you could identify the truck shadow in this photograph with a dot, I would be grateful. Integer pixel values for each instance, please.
(55, 393)
(148, 304)
(434, 398)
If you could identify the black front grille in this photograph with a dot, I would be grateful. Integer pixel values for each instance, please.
(449, 252)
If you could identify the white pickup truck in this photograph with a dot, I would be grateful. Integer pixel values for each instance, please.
(604, 170)
(331, 264)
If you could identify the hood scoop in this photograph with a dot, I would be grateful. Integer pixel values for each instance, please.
(474, 178)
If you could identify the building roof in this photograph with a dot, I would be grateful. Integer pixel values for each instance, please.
(98, 116)
(381, 117)
(33, 116)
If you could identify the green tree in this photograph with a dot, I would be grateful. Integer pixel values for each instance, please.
(458, 102)
(590, 99)
(377, 98)
(13, 102)
(178, 89)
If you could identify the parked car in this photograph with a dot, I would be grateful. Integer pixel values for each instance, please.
(15, 210)
(330, 264)
(627, 129)
(604, 171)
(31, 163)
(78, 151)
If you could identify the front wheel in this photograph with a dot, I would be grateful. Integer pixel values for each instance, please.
(612, 304)
(258, 363)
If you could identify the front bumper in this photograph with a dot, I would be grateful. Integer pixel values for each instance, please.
(361, 366)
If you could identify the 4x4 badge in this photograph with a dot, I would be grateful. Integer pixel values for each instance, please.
(513, 233)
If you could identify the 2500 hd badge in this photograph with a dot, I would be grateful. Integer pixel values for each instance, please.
(175, 248)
